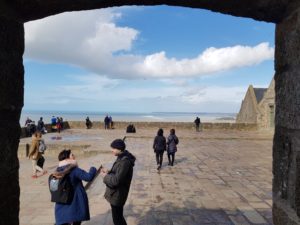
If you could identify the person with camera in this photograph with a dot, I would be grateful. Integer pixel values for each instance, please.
(118, 180)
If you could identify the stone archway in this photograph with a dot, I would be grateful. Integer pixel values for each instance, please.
(286, 156)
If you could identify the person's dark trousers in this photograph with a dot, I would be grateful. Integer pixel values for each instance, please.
(159, 158)
(117, 215)
(171, 158)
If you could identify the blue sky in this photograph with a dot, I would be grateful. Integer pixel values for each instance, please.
(145, 59)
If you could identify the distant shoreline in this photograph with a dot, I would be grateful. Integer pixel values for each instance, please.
(129, 117)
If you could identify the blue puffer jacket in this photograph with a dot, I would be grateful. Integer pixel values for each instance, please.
(78, 210)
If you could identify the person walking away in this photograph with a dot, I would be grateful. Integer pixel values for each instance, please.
(78, 210)
(172, 143)
(197, 123)
(159, 146)
(118, 180)
(35, 154)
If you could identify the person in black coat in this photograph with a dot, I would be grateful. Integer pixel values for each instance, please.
(197, 123)
(41, 126)
(106, 122)
(159, 146)
(88, 123)
(118, 180)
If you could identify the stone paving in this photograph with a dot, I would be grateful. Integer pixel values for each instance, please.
(219, 178)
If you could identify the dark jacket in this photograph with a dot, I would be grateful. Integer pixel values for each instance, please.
(172, 142)
(197, 121)
(78, 210)
(106, 120)
(118, 179)
(40, 125)
(159, 144)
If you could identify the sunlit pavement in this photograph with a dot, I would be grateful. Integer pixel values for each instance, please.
(219, 178)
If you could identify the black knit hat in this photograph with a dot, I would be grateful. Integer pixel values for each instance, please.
(118, 144)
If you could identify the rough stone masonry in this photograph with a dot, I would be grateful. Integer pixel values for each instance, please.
(284, 13)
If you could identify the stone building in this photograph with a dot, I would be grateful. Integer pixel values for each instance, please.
(258, 106)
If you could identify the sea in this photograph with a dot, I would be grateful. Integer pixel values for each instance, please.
(127, 116)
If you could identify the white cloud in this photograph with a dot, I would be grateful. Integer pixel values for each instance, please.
(212, 60)
(93, 41)
(85, 39)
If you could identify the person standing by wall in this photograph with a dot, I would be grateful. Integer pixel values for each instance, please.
(53, 123)
(172, 143)
(41, 126)
(106, 122)
(110, 122)
(58, 124)
(118, 180)
(159, 146)
(197, 123)
(88, 123)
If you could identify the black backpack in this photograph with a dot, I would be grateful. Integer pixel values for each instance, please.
(61, 189)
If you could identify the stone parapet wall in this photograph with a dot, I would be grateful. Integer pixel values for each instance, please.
(143, 125)
(48, 128)
(175, 125)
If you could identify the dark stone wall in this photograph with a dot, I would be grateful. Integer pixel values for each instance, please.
(11, 103)
(285, 13)
(286, 145)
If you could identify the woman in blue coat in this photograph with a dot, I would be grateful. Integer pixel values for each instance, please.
(78, 210)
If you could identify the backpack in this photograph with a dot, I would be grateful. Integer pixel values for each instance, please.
(61, 189)
(42, 146)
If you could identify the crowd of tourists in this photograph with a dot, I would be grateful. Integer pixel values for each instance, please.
(31, 127)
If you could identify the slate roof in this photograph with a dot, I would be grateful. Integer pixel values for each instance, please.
(259, 93)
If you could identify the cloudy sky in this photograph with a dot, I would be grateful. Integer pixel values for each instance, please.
(145, 59)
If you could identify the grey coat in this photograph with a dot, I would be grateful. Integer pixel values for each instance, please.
(172, 143)
(118, 179)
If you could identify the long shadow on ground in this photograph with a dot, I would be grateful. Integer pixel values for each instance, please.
(169, 214)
